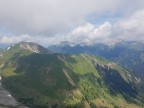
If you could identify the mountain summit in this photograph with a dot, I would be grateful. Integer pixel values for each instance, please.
(34, 47)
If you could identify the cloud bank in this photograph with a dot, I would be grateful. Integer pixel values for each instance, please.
(15, 39)
(52, 21)
(91, 34)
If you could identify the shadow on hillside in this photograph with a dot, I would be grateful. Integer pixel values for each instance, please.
(39, 75)
(42, 74)
(116, 83)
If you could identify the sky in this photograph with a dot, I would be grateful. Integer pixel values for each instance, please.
(79, 21)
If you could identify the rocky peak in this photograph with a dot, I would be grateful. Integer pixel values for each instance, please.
(34, 47)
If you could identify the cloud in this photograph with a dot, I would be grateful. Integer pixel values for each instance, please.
(15, 39)
(91, 34)
(51, 21)
(131, 28)
(49, 17)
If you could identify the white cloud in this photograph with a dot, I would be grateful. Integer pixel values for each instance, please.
(128, 28)
(91, 34)
(51, 21)
(52, 16)
(131, 28)
(15, 39)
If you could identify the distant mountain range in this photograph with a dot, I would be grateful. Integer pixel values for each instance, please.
(39, 78)
(128, 54)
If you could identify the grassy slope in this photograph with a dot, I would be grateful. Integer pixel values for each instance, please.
(60, 80)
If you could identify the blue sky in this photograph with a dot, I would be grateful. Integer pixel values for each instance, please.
(99, 19)
(80, 21)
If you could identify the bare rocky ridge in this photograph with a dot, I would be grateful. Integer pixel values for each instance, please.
(6, 100)
(34, 47)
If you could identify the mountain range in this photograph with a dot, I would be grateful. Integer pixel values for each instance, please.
(128, 54)
(46, 78)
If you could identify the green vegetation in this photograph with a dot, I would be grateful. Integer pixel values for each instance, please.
(67, 81)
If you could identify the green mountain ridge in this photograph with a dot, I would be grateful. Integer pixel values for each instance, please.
(127, 54)
(54, 80)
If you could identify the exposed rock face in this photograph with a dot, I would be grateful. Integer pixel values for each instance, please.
(34, 47)
(6, 100)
